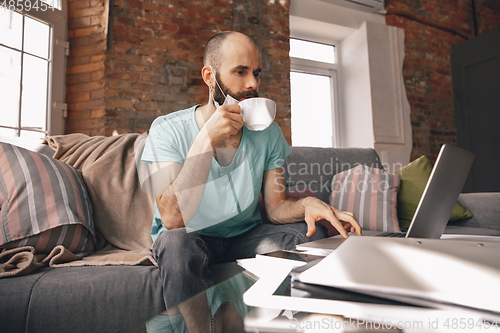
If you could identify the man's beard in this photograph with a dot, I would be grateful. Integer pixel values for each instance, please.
(219, 97)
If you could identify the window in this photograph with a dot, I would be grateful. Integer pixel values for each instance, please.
(32, 54)
(313, 81)
(304, 49)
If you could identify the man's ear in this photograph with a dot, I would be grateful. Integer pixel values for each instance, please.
(208, 75)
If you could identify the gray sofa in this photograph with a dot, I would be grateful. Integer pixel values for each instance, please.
(123, 298)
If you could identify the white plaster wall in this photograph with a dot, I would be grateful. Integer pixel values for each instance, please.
(356, 121)
(374, 110)
(390, 107)
(329, 13)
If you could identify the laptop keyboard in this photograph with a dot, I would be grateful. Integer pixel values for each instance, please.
(392, 234)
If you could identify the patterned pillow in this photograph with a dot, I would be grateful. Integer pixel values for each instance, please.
(43, 203)
(371, 194)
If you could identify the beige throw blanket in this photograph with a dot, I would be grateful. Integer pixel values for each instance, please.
(122, 211)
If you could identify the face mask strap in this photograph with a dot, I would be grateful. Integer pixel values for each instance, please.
(217, 82)
(210, 89)
(220, 88)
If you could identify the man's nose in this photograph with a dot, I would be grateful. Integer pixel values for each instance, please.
(252, 83)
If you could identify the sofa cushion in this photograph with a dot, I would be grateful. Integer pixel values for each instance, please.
(484, 209)
(44, 203)
(16, 294)
(371, 194)
(81, 299)
(87, 299)
(414, 177)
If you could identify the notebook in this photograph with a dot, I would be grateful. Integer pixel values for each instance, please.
(436, 204)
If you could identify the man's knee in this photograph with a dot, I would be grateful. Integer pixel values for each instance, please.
(321, 232)
(295, 233)
(183, 260)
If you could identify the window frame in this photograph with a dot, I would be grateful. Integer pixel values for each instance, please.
(56, 85)
(325, 69)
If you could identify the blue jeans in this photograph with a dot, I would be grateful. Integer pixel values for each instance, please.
(183, 257)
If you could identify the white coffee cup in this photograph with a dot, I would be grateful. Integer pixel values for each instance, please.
(258, 113)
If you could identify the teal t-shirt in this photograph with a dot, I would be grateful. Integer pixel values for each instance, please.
(229, 205)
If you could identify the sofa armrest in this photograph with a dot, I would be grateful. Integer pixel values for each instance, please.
(35, 145)
(485, 209)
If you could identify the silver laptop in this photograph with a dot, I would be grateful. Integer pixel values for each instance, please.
(436, 204)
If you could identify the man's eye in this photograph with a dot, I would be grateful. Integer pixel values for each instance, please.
(256, 74)
(239, 72)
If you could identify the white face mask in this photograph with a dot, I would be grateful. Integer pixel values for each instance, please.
(229, 100)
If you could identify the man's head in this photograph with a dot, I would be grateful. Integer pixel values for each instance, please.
(232, 60)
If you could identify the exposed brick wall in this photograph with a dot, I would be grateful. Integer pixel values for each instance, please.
(153, 59)
(487, 15)
(432, 27)
(87, 28)
(266, 22)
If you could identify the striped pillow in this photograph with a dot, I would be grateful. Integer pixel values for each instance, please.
(371, 194)
(43, 203)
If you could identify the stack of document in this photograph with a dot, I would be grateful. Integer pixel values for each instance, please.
(452, 275)
(263, 265)
(416, 285)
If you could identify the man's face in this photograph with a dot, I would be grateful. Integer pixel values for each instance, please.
(239, 72)
(241, 95)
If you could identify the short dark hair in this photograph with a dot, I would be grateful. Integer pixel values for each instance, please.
(212, 56)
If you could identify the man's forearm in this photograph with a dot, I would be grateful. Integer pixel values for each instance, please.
(287, 211)
(180, 201)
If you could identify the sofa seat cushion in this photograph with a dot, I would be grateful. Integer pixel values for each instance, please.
(81, 299)
(15, 300)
